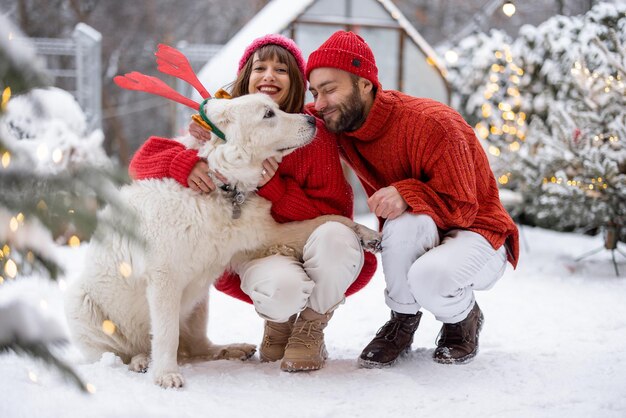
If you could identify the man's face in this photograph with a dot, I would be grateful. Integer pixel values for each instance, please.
(338, 99)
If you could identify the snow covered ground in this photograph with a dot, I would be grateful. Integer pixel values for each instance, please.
(553, 345)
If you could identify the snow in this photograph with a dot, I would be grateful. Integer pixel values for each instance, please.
(552, 345)
(28, 319)
(46, 129)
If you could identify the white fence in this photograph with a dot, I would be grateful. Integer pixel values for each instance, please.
(75, 65)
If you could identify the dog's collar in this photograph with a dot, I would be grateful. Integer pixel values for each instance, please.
(204, 117)
(237, 198)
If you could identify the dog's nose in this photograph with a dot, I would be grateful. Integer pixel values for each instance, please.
(310, 119)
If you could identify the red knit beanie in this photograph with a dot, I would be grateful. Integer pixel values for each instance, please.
(346, 51)
(274, 39)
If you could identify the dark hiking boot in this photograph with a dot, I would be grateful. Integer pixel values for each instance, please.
(275, 338)
(458, 343)
(392, 339)
(305, 349)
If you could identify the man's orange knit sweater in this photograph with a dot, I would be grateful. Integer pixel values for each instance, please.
(432, 156)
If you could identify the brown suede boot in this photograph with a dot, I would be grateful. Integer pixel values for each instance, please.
(275, 336)
(392, 339)
(306, 349)
(458, 343)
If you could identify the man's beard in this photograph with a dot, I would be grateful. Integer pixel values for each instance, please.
(351, 114)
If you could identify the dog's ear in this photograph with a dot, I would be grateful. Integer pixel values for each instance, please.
(219, 112)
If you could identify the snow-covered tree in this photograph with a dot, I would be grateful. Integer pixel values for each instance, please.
(582, 159)
(53, 176)
(488, 90)
(551, 109)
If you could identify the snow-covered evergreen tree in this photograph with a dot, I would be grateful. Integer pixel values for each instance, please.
(53, 176)
(488, 90)
(582, 159)
(551, 108)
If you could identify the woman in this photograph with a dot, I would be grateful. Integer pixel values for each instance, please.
(295, 298)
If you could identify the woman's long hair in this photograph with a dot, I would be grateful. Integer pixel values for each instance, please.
(294, 102)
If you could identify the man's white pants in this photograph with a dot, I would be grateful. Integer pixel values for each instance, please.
(438, 273)
(281, 286)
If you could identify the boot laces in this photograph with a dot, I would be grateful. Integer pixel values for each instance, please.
(389, 331)
(307, 333)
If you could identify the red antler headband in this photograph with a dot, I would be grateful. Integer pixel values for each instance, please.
(172, 62)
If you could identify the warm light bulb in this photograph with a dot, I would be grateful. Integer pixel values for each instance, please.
(74, 241)
(125, 269)
(108, 327)
(42, 152)
(10, 268)
(57, 156)
(508, 8)
(451, 56)
(6, 159)
(495, 151)
(13, 224)
(6, 95)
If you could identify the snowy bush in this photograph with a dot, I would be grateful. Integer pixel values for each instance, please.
(46, 129)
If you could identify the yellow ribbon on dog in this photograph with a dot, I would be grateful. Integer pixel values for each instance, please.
(220, 94)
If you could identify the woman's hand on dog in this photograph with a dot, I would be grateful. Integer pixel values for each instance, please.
(270, 166)
(199, 132)
(199, 179)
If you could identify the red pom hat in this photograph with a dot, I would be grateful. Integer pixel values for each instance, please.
(274, 39)
(345, 51)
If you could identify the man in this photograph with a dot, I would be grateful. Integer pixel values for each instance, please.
(445, 232)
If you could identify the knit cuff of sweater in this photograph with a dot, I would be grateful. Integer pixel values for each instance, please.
(406, 188)
(182, 164)
(274, 189)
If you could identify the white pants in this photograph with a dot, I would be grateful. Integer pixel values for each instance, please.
(281, 286)
(423, 269)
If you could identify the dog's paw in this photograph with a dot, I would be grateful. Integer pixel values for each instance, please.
(170, 380)
(233, 351)
(139, 363)
(370, 240)
(282, 249)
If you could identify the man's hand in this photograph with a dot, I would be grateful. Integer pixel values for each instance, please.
(269, 169)
(199, 132)
(387, 203)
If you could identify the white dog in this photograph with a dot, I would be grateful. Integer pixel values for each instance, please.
(156, 296)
